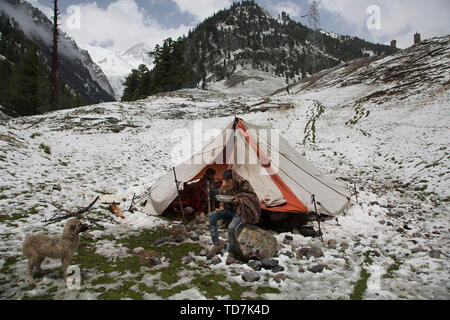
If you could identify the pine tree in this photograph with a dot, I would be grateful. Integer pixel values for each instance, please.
(27, 96)
(54, 72)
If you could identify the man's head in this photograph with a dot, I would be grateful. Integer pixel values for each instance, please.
(210, 173)
(228, 178)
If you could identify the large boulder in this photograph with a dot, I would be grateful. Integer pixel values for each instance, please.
(254, 242)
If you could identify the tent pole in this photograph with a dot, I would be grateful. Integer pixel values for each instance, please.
(318, 217)
(178, 191)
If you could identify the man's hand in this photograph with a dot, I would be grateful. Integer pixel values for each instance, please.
(236, 200)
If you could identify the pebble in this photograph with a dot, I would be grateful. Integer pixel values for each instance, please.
(278, 269)
(279, 277)
(316, 268)
(315, 252)
(251, 276)
(155, 261)
(160, 241)
(216, 260)
(417, 249)
(436, 254)
(268, 263)
(255, 264)
(301, 270)
(194, 237)
(189, 260)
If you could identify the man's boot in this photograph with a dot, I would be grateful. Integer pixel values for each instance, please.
(231, 258)
(214, 250)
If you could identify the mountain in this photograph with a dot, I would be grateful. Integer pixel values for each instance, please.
(76, 69)
(246, 35)
(117, 65)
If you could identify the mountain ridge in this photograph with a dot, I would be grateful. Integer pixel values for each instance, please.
(76, 67)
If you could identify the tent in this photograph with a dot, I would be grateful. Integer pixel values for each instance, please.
(280, 176)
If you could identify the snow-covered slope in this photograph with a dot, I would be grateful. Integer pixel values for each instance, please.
(249, 81)
(382, 124)
(117, 65)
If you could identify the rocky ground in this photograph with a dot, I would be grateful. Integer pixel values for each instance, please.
(393, 244)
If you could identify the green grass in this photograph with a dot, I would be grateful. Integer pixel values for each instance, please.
(45, 148)
(392, 268)
(361, 285)
(34, 135)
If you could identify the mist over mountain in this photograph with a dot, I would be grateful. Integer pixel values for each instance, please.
(24, 25)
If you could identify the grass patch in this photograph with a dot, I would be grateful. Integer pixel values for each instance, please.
(34, 135)
(392, 268)
(361, 285)
(45, 148)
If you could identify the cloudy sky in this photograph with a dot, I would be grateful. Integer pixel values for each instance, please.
(119, 24)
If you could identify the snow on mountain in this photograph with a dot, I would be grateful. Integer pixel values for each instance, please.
(381, 123)
(117, 65)
(76, 66)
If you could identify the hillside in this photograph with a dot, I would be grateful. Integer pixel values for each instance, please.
(381, 123)
(245, 37)
(23, 24)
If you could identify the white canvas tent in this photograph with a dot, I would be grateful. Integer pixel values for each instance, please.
(278, 173)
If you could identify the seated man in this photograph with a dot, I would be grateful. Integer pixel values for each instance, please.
(244, 209)
(200, 196)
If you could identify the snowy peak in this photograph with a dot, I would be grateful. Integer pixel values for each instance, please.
(117, 65)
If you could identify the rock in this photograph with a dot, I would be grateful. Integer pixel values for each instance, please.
(279, 247)
(278, 269)
(308, 232)
(301, 270)
(251, 276)
(203, 253)
(194, 237)
(314, 252)
(268, 263)
(389, 224)
(436, 254)
(344, 245)
(417, 249)
(279, 277)
(160, 241)
(375, 236)
(332, 242)
(316, 268)
(399, 229)
(189, 260)
(406, 227)
(254, 242)
(179, 239)
(289, 238)
(287, 254)
(155, 261)
(138, 250)
(216, 260)
(286, 241)
(255, 264)
(302, 252)
(382, 222)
